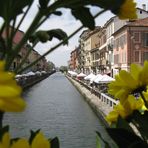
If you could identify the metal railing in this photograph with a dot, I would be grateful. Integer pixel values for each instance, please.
(111, 102)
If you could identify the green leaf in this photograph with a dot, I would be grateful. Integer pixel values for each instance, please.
(32, 135)
(43, 3)
(101, 140)
(113, 5)
(79, 9)
(59, 34)
(9, 9)
(3, 130)
(126, 139)
(83, 14)
(98, 142)
(42, 36)
(55, 143)
(141, 121)
(33, 38)
(122, 123)
(2, 45)
(14, 140)
(76, 3)
(58, 13)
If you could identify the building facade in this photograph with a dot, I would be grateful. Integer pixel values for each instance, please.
(131, 44)
(114, 46)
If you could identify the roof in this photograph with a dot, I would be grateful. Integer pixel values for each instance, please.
(110, 20)
(139, 22)
(135, 23)
(141, 9)
(114, 17)
(87, 33)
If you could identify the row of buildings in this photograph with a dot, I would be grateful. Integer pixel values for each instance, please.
(42, 65)
(113, 47)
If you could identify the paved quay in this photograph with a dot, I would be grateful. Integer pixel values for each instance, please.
(99, 107)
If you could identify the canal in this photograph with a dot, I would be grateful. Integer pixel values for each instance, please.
(57, 108)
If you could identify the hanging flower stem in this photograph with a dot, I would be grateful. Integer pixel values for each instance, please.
(1, 119)
(142, 96)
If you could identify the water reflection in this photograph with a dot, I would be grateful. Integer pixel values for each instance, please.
(58, 109)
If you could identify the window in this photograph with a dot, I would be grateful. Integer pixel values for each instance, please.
(125, 57)
(121, 42)
(14, 65)
(137, 37)
(111, 58)
(104, 39)
(136, 56)
(145, 56)
(116, 58)
(97, 56)
(117, 44)
(145, 39)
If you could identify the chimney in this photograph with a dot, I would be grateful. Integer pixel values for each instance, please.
(144, 6)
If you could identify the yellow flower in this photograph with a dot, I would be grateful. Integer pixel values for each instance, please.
(5, 142)
(118, 110)
(132, 104)
(40, 141)
(21, 143)
(127, 10)
(10, 92)
(127, 83)
(146, 96)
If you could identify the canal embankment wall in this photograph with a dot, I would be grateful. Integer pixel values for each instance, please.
(99, 104)
(28, 81)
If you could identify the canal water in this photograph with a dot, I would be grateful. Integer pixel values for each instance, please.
(57, 108)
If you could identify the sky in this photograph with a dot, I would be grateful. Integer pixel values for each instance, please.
(68, 23)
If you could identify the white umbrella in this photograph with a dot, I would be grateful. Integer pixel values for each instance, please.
(72, 73)
(18, 76)
(30, 73)
(38, 73)
(90, 76)
(43, 72)
(24, 75)
(97, 78)
(105, 79)
(81, 75)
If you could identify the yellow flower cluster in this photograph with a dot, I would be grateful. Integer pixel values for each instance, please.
(125, 87)
(128, 10)
(10, 92)
(127, 83)
(125, 110)
(39, 141)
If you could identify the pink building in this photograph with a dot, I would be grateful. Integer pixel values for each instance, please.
(17, 38)
(131, 44)
(41, 65)
(74, 59)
